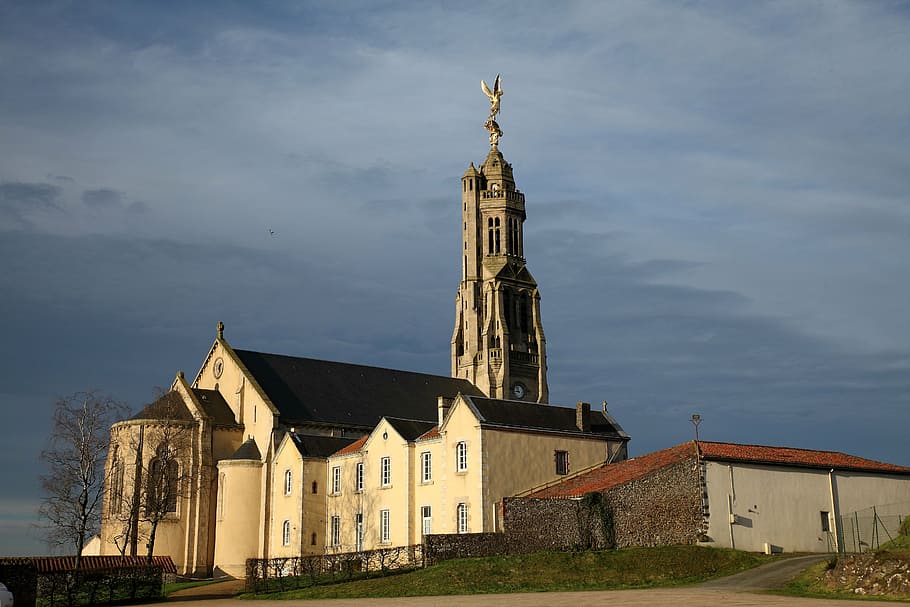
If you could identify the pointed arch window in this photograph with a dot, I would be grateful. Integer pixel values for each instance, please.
(161, 493)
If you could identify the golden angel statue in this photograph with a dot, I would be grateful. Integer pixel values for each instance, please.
(494, 95)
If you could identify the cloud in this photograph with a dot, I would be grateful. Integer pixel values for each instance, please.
(102, 199)
(22, 202)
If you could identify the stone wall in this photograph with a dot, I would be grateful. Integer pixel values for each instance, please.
(663, 508)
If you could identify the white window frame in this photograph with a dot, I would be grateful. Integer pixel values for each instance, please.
(461, 457)
(358, 477)
(336, 480)
(286, 533)
(426, 518)
(335, 530)
(385, 466)
(385, 526)
(426, 466)
(358, 531)
(462, 514)
(288, 482)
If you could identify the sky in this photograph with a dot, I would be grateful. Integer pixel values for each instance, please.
(718, 201)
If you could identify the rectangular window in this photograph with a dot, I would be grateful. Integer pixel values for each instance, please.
(336, 530)
(426, 515)
(426, 466)
(462, 518)
(461, 457)
(358, 523)
(826, 521)
(386, 469)
(562, 462)
(358, 477)
(336, 479)
(385, 532)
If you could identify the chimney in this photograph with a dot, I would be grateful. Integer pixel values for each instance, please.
(444, 404)
(583, 416)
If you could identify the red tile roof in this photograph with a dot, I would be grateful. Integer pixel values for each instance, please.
(353, 447)
(54, 564)
(431, 433)
(788, 456)
(612, 475)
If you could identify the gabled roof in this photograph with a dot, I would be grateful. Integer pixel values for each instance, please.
(534, 416)
(353, 447)
(248, 450)
(320, 446)
(431, 433)
(619, 473)
(410, 429)
(612, 475)
(320, 391)
(169, 406)
(215, 407)
(789, 456)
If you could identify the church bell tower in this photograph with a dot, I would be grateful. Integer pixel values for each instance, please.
(498, 343)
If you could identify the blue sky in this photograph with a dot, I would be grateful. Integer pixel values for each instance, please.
(717, 194)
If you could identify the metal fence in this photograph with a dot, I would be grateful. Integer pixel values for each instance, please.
(870, 529)
(288, 573)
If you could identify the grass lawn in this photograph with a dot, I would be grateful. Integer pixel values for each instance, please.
(555, 571)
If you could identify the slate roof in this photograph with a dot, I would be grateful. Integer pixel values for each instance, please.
(248, 450)
(534, 416)
(168, 406)
(215, 407)
(320, 391)
(410, 429)
(612, 475)
(320, 446)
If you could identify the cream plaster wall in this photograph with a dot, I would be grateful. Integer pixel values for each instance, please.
(461, 425)
(239, 525)
(782, 505)
(517, 461)
(287, 506)
(431, 493)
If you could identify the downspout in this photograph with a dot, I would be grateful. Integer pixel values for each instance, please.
(834, 512)
(731, 499)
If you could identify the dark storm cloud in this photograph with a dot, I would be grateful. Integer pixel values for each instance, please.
(104, 198)
(21, 202)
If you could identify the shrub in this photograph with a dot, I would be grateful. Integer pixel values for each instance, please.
(905, 526)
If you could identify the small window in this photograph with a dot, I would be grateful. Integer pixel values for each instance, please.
(426, 466)
(313, 539)
(386, 468)
(461, 457)
(286, 533)
(826, 521)
(336, 480)
(358, 477)
(315, 487)
(562, 462)
(385, 531)
(336, 531)
(288, 482)
(462, 518)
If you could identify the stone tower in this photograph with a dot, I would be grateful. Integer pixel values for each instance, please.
(498, 343)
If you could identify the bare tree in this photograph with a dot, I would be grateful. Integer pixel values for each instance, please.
(74, 484)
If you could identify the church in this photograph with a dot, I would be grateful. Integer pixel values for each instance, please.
(263, 455)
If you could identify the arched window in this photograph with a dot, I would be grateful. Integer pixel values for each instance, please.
(286, 533)
(161, 493)
(116, 481)
(490, 234)
(461, 457)
(288, 482)
(496, 233)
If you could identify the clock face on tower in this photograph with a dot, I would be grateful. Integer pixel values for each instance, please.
(518, 391)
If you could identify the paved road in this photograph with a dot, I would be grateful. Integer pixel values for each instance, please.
(732, 591)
